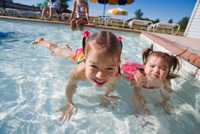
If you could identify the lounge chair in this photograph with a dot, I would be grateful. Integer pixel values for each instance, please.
(142, 24)
(12, 12)
(2, 11)
(116, 22)
(65, 16)
(29, 14)
(167, 26)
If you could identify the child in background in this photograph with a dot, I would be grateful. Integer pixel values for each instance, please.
(80, 14)
(154, 74)
(100, 65)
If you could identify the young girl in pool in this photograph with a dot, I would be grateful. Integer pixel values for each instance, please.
(80, 14)
(100, 65)
(156, 73)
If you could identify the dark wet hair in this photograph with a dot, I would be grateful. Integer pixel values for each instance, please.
(171, 60)
(103, 40)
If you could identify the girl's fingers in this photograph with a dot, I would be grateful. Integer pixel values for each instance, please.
(66, 116)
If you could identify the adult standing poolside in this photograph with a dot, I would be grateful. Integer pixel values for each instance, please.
(80, 14)
(53, 6)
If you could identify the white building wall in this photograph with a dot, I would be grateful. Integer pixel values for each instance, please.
(193, 27)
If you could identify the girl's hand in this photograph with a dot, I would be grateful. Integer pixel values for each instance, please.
(140, 79)
(147, 111)
(38, 40)
(167, 107)
(68, 113)
(109, 100)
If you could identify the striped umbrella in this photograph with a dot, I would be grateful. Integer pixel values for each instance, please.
(112, 2)
(117, 11)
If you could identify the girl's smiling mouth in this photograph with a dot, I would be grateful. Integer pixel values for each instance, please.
(99, 83)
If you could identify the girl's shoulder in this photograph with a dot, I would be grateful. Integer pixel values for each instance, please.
(79, 71)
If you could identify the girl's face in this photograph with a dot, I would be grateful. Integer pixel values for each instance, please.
(100, 67)
(156, 68)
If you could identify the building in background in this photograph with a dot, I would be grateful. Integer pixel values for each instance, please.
(193, 27)
(11, 4)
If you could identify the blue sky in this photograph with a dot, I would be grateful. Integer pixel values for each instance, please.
(161, 9)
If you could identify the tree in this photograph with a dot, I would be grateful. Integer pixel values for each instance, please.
(170, 21)
(64, 6)
(43, 4)
(183, 23)
(146, 19)
(138, 14)
(156, 21)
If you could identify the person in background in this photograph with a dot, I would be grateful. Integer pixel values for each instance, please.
(53, 6)
(80, 14)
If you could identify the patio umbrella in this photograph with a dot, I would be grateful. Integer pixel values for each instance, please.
(117, 11)
(112, 2)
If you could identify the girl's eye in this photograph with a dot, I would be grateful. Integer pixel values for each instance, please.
(110, 69)
(152, 66)
(93, 66)
(163, 68)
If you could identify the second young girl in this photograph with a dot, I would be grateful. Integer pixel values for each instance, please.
(153, 76)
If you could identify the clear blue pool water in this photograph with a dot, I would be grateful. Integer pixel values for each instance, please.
(32, 86)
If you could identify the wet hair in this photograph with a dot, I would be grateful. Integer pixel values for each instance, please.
(103, 40)
(172, 61)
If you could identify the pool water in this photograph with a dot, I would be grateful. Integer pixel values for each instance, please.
(32, 89)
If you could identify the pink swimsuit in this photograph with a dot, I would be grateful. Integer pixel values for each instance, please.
(129, 69)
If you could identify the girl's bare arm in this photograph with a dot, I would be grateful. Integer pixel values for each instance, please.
(138, 98)
(76, 75)
(69, 93)
(166, 93)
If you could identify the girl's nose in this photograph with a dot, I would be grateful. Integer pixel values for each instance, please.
(156, 69)
(100, 75)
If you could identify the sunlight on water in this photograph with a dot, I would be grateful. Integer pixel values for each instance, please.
(32, 87)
